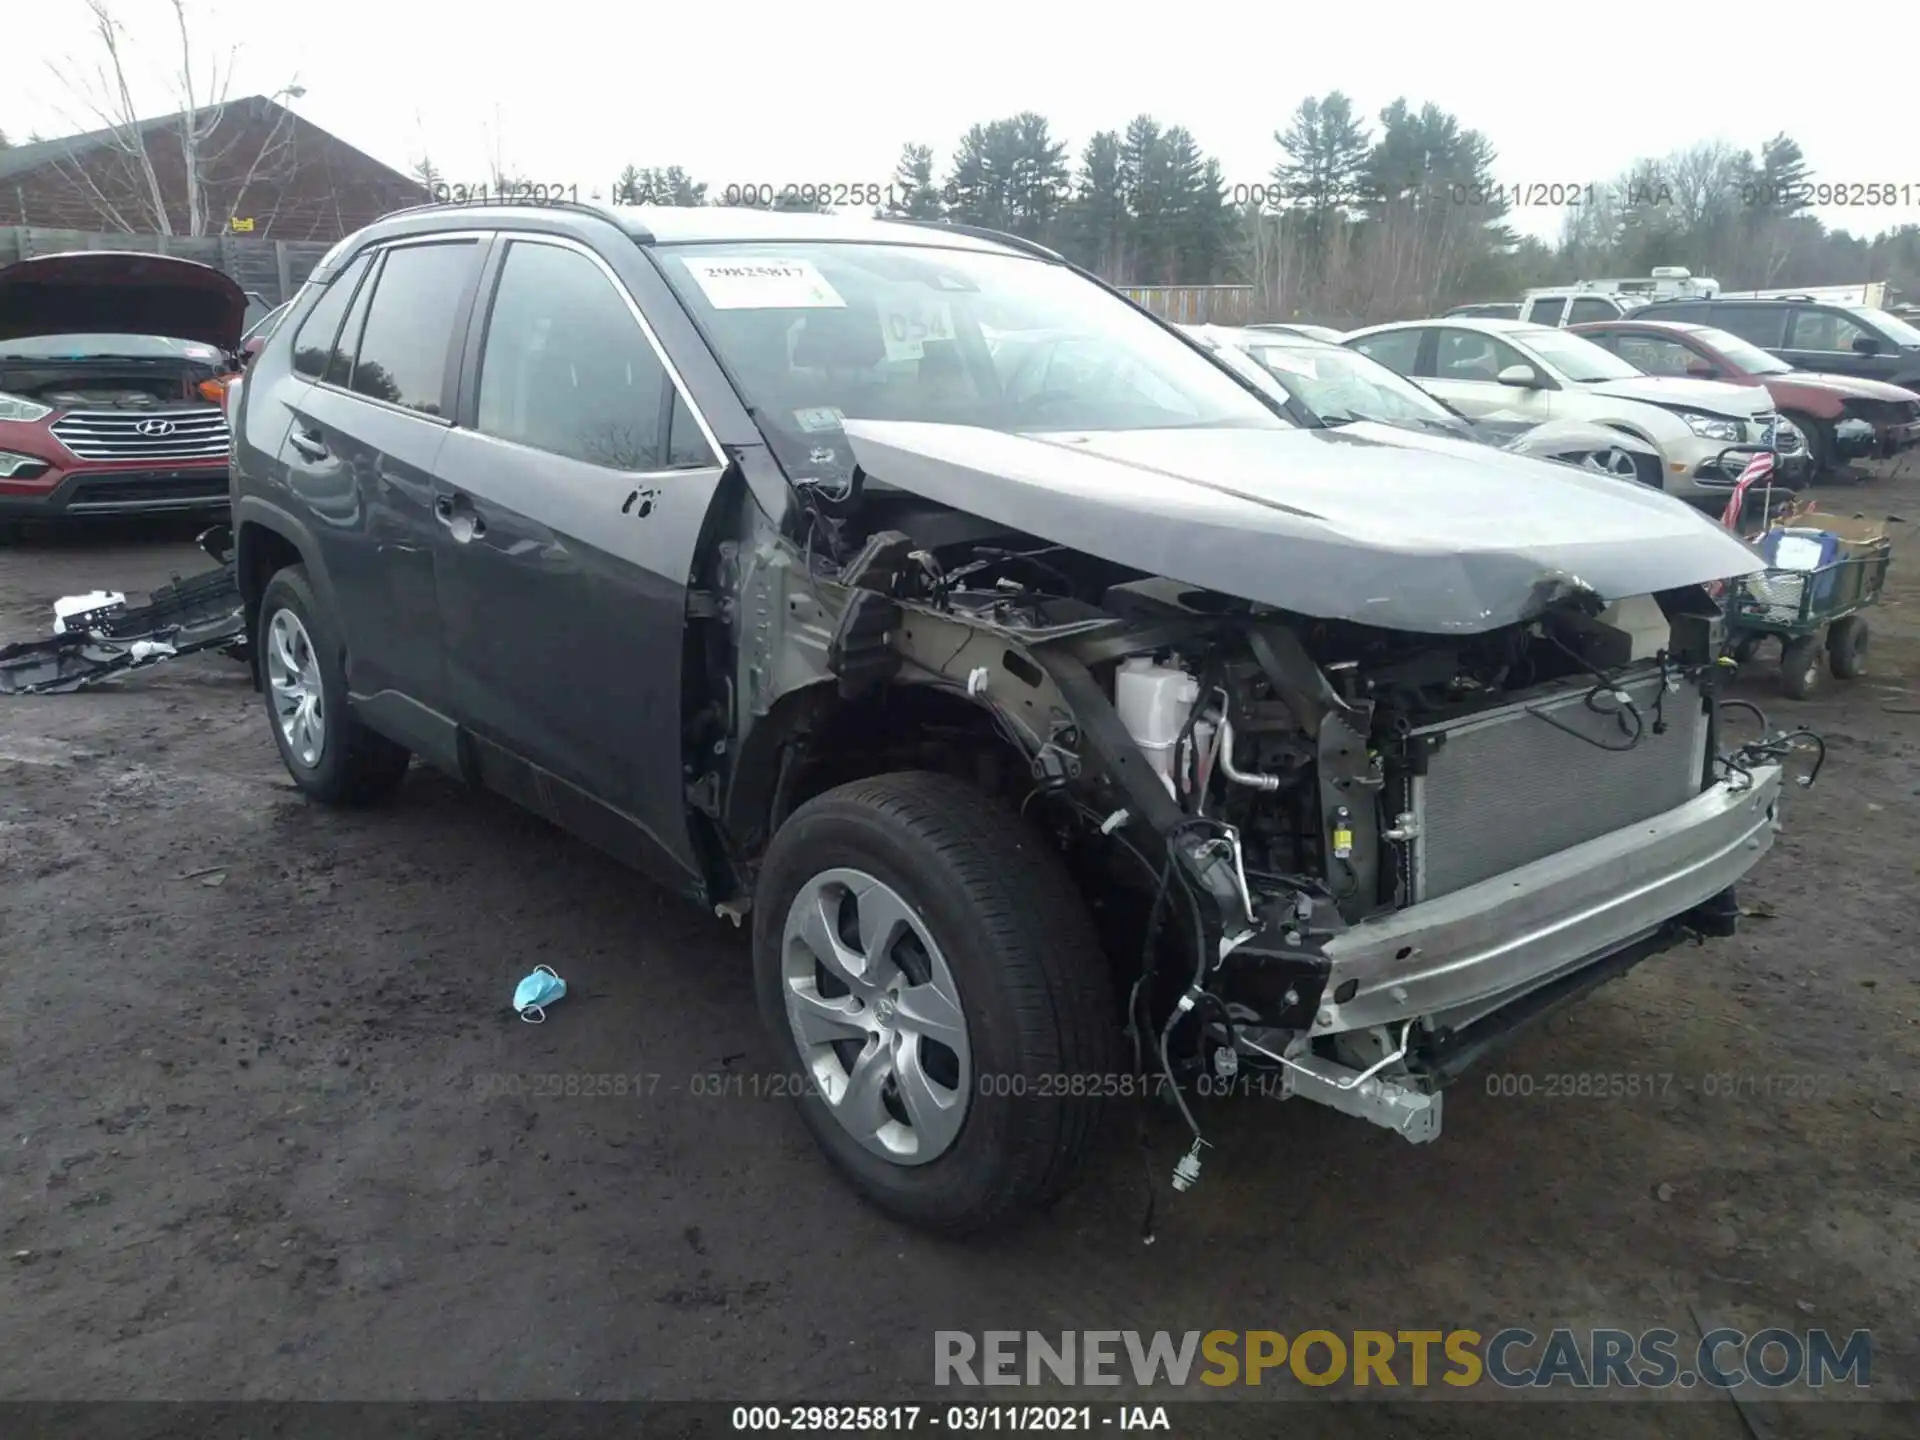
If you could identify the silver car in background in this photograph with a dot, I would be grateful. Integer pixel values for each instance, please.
(1341, 386)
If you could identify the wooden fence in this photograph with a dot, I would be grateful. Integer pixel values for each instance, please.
(1196, 304)
(268, 269)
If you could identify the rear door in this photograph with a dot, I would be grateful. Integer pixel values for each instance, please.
(360, 453)
(570, 502)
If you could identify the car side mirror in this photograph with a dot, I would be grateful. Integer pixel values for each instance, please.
(1523, 376)
(1701, 370)
(252, 348)
(1866, 345)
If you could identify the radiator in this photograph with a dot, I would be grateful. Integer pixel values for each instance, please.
(1511, 785)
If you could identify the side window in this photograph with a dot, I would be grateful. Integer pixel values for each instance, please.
(1396, 349)
(567, 369)
(1588, 308)
(1654, 354)
(1547, 311)
(313, 344)
(340, 363)
(1469, 355)
(402, 357)
(1824, 330)
(687, 448)
(1762, 325)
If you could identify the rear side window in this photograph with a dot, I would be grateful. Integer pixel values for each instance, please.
(567, 369)
(402, 357)
(1762, 325)
(1548, 312)
(1587, 308)
(314, 343)
(1396, 349)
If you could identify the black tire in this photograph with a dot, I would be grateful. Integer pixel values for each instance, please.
(1800, 666)
(1032, 981)
(1819, 435)
(1847, 641)
(1744, 649)
(355, 765)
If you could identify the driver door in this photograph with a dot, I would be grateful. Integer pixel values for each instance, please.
(570, 501)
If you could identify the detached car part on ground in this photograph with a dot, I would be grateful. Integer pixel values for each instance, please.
(1344, 387)
(113, 373)
(1068, 726)
(99, 636)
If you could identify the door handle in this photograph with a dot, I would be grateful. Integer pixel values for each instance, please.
(311, 446)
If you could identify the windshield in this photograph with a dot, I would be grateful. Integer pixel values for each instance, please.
(817, 334)
(1891, 326)
(1750, 358)
(1575, 356)
(117, 347)
(1343, 385)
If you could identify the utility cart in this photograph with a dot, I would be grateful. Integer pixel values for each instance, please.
(1822, 571)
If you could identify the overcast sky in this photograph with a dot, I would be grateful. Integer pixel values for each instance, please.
(828, 90)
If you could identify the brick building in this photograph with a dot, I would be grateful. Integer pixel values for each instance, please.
(265, 172)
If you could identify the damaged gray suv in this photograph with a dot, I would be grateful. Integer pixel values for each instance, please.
(1070, 718)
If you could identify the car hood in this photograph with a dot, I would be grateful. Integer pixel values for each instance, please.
(1348, 524)
(1851, 387)
(1676, 393)
(95, 292)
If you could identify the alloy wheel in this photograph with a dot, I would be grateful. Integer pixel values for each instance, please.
(293, 677)
(1611, 462)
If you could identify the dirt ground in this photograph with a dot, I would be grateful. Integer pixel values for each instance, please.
(269, 1128)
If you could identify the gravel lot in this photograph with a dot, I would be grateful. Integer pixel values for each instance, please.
(270, 1129)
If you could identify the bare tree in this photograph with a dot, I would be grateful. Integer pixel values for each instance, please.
(138, 198)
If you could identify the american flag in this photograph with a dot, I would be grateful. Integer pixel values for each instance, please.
(1759, 469)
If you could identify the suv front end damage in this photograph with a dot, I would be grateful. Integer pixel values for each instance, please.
(1362, 855)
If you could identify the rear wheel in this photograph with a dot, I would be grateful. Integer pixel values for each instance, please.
(1800, 666)
(1847, 647)
(932, 980)
(331, 755)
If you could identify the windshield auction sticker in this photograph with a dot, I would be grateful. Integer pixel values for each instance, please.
(754, 283)
(909, 318)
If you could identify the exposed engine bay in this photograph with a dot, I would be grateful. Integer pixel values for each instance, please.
(110, 385)
(1305, 809)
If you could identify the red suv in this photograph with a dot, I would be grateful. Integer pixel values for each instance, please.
(1842, 416)
(113, 373)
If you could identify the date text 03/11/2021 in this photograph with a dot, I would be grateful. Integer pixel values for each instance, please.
(962, 1419)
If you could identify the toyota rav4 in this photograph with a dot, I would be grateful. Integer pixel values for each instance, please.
(1069, 715)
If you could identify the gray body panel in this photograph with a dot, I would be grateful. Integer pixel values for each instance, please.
(1340, 524)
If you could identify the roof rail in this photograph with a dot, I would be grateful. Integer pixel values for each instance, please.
(982, 232)
(589, 207)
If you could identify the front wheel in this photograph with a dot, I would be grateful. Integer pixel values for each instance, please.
(1820, 446)
(933, 982)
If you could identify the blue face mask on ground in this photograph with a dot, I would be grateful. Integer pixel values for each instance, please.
(539, 990)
